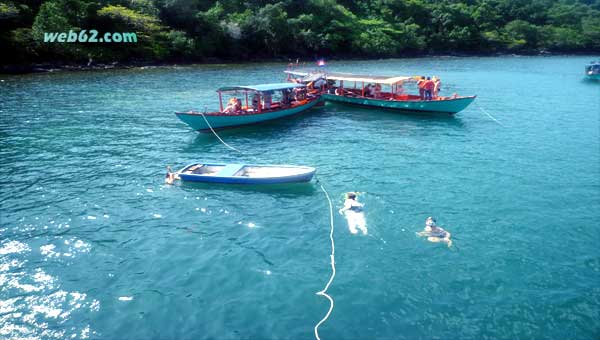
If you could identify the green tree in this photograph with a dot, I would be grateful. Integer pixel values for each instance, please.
(523, 35)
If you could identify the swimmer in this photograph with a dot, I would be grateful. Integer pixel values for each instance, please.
(170, 177)
(353, 210)
(434, 233)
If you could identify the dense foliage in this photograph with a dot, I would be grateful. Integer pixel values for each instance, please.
(201, 30)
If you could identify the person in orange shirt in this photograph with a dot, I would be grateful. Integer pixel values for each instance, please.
(428, 86)
(420, 85)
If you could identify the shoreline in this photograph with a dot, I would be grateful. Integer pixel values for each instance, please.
(17, 69)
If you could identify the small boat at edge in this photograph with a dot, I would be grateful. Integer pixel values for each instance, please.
(592, 71)
(245, 173)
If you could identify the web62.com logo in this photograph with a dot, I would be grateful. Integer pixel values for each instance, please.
(92, 37)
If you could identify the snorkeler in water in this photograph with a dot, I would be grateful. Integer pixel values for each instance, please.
(434, 233)
(170, 177)
(353, 211)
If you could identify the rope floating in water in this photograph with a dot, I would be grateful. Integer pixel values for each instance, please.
(489, 115)
(213, 131)
(332, 257)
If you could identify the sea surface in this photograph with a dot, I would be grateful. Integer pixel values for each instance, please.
(94, 245)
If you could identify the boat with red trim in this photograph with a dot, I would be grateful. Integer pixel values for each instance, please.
(360, 92)
(263, 102)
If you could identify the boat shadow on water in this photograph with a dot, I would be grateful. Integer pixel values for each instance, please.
(280, 190)
(270, 129)
(383, 115)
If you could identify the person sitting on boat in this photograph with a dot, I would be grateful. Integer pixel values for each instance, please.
(371, 90)
(377, 91)
(367, 90)
(353, 210)
(421, 86)
(255, 102)
(399, 89)
(267, 100)
(434, 233)
(299, 93)
(428, 86)
(285, 98)
(230, 108)
(338, 91)
(437, 83)
(319, 84)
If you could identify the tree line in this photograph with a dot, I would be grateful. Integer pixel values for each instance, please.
(234, 30)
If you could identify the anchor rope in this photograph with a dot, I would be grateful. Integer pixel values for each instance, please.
(489, 115)
(216, 135)
(332, 257)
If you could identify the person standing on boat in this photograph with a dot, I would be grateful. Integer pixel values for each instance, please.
(434, 233)
(421, 86)
(437, 83)
(428, 86)
(353, 211)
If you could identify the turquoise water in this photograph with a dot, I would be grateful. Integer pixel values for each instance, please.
(94, 245)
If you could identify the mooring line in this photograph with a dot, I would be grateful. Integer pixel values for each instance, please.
(332, 257)
(216, 135)
(489, 115)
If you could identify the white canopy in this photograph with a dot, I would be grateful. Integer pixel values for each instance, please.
(388, 80)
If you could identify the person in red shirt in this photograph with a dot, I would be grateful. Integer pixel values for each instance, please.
(428, 86)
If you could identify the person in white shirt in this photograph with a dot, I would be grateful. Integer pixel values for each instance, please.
(353, 211)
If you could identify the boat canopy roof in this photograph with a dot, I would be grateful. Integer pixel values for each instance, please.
(389, 80)
(261, 87)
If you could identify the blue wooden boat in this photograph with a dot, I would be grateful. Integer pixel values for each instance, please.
(245, 173)
(356, 93)
(592, 71)
(262, 103)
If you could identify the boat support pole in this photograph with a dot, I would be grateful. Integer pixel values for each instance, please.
(220, 101)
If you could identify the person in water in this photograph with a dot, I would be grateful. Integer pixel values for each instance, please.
(353, 210)
(434, 233)
(170, 177)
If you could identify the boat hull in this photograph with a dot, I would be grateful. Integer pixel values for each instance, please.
(450, 106)
(198, 121)
(302, 174)
(595, 77)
